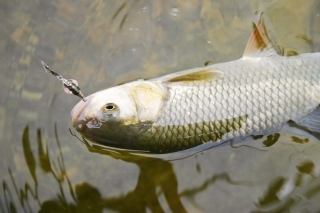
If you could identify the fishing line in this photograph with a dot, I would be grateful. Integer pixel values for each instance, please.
(70, 86)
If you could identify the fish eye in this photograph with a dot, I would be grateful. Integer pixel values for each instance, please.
(109, 106)
(110, 111)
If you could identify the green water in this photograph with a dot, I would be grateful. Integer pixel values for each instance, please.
(45, 167)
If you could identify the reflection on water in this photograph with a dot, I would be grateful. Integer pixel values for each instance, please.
(103, 43)
(152, 183)
(156, 180)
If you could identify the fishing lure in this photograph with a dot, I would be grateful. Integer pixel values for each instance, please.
(70, 86)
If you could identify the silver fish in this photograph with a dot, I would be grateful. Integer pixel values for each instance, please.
(255, 95)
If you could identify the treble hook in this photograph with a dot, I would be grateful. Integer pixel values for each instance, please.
(70, 86)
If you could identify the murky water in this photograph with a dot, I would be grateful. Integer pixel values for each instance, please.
(45, 168)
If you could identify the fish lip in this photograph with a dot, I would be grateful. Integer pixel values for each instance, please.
(78, 109)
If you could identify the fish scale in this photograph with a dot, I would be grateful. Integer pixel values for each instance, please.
(282, 90)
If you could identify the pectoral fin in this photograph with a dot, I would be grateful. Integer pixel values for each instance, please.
(306, 126)
(198, 75)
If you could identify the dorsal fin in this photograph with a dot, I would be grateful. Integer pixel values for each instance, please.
(259, 44)
(201, 75)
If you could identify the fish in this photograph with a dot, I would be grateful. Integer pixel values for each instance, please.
(255, 95)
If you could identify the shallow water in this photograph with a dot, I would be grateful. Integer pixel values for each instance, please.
(45, 168)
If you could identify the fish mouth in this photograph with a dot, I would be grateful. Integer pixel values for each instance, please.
(77, 110)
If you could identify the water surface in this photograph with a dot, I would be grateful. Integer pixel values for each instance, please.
(45, 167)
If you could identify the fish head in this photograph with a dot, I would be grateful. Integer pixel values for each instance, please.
(119, 116)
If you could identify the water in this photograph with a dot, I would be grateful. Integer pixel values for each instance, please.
(45, 168)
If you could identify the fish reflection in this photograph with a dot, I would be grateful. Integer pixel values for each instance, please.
(156, 179)
(87, 198)
(154, 174)
(47, 166)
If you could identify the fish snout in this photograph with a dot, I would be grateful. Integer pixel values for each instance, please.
(77, 111)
